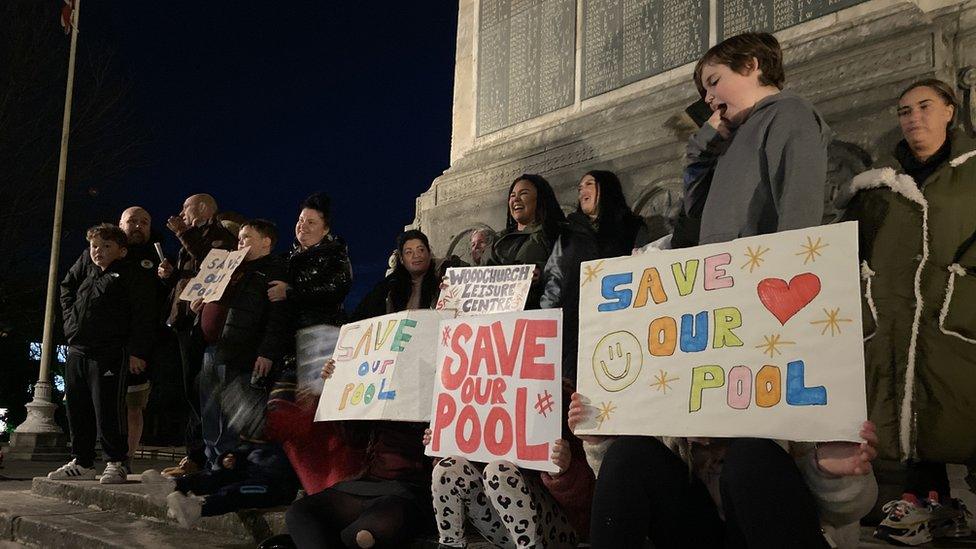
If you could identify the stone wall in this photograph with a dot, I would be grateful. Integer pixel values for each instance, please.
(852, 64)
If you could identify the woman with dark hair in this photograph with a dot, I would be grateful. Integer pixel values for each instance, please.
(531, 228)
(602, 226)
(918, 251)
(413, 284)
(319, 277)
(389, 503)
(319, 267)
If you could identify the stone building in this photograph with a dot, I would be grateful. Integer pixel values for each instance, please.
(559, 87)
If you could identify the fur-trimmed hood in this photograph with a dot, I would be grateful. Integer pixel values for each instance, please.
(890, 175)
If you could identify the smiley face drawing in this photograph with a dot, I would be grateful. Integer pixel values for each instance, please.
(617, 360)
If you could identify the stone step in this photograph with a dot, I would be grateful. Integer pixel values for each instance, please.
(246, 527)
(37, 521)
(134, 498)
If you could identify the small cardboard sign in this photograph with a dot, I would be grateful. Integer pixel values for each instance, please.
(214, 275)
(485, 290)
(498, 388)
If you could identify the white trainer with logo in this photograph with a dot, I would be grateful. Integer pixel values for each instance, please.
(114, 473)
(72, 471)
(906, 522)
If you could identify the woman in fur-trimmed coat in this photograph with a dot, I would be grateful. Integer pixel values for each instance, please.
(917, 218)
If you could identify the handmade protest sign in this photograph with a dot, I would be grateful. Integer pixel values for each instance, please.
(498, 388)
(214, 275)
(484, 290)
(384, 368)
(313, 346)
(756, 337)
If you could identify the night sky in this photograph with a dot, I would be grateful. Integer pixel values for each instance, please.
(261, 104)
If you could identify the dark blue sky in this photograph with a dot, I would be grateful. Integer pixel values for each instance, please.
(261, 104)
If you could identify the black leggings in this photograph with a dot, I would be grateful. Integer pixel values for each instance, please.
(644, 490)
(925, 476)
(331, 519)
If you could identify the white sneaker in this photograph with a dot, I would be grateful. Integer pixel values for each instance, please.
(159, 486)
(114, 473)
(72, 471)
(185, 509)
(906, 522)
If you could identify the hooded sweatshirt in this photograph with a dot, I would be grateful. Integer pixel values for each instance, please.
(771, 177)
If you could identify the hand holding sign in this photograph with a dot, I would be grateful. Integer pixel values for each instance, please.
(844, 459)
(561, 457)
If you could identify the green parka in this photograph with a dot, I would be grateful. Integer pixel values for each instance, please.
(919, 280)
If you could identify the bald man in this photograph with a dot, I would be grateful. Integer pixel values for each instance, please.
(198, 231)
(136, 223)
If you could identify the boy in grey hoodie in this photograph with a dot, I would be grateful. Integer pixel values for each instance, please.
(764, 149)
(765, 153)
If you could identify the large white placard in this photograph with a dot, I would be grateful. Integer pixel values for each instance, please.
(486, 290)
(384, 368)
(759, 336)
(498, 389)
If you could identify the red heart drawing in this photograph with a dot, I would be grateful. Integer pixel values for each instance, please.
(785, 300)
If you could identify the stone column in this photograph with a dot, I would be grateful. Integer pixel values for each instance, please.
(39, 438)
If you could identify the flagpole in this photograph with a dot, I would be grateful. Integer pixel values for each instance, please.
(39, 436)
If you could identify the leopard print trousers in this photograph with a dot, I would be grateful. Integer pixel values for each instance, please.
(509, 509)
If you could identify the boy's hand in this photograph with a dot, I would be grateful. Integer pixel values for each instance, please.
(561, 456)
(136, 365)
(328, 368)
(196, 305)
(427, 436)
(165, 269)
(262, 366)
(843, 459)
(277, 290)
(716, 121)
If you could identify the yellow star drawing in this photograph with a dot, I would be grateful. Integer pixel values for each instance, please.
(755, 257)
(772, 343)
(591, 271)
(812, 249)
(606, 408)
(662, 382)
(831, 322)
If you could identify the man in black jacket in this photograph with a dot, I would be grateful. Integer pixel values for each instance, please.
(198, 231)
(108, 321)
(246, 334)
